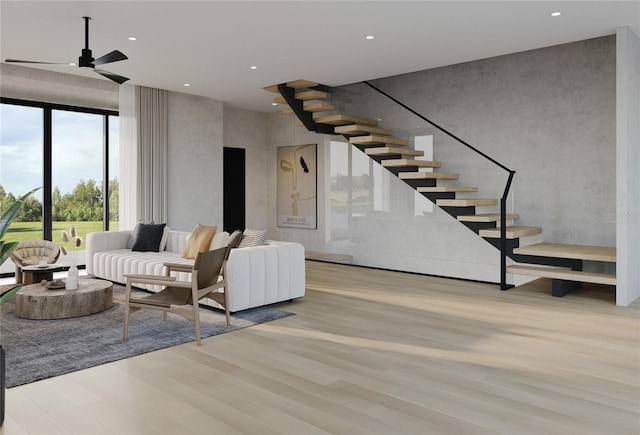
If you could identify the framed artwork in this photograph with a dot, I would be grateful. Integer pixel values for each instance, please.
(297, 186)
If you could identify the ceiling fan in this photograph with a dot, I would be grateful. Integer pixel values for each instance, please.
(87, 60)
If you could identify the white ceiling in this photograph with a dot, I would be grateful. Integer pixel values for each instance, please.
(212, 44)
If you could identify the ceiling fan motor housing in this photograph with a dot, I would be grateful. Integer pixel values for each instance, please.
(86, 60)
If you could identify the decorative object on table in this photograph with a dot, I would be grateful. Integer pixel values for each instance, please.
(5, 251)
(76, 240)
(297, 186)
(54, 284)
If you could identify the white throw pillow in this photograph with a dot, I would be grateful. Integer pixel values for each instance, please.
(219, 240)
(165, 238)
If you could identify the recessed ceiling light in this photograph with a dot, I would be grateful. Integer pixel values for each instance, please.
(274, 104)
(556, 14)
(370, 37)
(73, 64)
(253, 67)
(132, 38)
(187, 84)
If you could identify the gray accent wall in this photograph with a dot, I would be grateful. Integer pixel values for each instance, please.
(199, 129)
(195, 142)
(248, 130)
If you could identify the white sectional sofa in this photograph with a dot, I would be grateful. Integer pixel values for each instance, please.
(256, 276)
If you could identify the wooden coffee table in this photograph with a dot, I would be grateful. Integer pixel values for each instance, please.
(37, 302)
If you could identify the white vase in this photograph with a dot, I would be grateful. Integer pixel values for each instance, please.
(72, 278)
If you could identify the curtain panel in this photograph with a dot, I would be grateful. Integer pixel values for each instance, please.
(152, 154)
(143, 155)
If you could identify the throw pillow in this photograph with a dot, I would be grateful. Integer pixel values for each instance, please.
(199, 240)
(132, 237)
(134, 234)
(234, 239)
(165, 239)
(148, 238)
(253, 238)
(219, 240)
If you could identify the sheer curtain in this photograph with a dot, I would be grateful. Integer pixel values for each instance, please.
(143, 154)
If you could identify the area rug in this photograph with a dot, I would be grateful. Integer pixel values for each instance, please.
(40, 349)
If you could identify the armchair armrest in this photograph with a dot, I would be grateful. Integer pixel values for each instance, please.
(157, 280)
(178, 267)
(150, 279)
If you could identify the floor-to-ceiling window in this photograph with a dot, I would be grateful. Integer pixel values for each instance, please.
(73, 154)
(21, 166)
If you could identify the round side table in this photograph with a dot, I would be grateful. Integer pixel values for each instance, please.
(35, 273)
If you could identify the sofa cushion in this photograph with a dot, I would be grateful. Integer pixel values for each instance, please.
(199, 240)
(219, 240)
(165, 238)
(234, 239)
(252, 238)
(148, 238)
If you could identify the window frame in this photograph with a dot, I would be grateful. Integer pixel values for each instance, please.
(47, 141)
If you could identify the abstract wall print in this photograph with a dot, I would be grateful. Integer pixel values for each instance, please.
(297, 186)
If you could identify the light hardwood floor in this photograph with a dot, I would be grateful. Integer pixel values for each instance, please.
(373, 352)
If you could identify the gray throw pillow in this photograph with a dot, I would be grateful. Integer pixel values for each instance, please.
(234, 239)
(134, 234)
(148, 238)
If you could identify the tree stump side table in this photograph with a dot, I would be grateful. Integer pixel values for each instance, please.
(37, 302)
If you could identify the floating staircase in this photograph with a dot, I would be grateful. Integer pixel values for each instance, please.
(561, 263)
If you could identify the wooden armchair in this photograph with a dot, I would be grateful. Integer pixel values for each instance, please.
(208, 280)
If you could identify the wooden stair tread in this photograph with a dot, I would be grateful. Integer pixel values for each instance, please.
(340, 120)
(377, 140)
(580, 252)
(304, 96)
(345, 120)
(327, 256)
(297, 84)
(410, 163)
(393, 151)
(465, 202)
(427, 176)
(445, 189)
(487, 217)
(320, 106)
(565, 274)
(359, 130)
(512, 232)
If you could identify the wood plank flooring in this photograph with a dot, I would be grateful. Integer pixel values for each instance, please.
(373, 352)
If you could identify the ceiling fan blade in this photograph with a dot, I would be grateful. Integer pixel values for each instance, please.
(33, 61)
(111, 76)
(114, 56)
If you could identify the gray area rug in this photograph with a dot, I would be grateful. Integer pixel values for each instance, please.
(40, 349)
